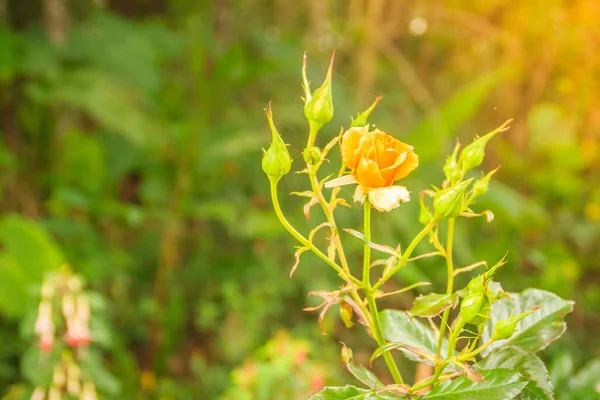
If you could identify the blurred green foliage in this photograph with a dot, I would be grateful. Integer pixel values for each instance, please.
(130, 147)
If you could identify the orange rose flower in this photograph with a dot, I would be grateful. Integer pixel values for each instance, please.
(376, 161)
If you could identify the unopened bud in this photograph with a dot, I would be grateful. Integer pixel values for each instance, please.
(68, 306)
(471, 306)
(47, 290)
(58, 376)
(505, 328)
(312, 155)
(318, 105)
(449, 203)
(276, 160)
(38, 394)
(472, 155)
(89, 391)
(83, 307)
(481, 185)
(362, 119)
(451, 169)
(54, 394)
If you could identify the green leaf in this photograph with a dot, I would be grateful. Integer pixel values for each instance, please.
(28, 252)
(360, 372)
(432, 304)
(379, 247)
(399, 328)
(585, 384)
(343, 393)
(535, 331)
(501, 384)
(528, 365)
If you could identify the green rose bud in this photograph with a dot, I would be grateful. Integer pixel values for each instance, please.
(362, 119)
(477, 284)
(449, 203)
(471, 306)
(276, 160)
(504, 329)
(481, 185)
(451, 169)
(484, 313)
(472, 155)
(318, 105)
(312, 155)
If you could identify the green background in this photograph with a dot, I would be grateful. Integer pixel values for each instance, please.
(131, 136)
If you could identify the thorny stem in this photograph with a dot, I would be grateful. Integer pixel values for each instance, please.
(303, 240)
(376, 324)
(450, 284)
(405, 256)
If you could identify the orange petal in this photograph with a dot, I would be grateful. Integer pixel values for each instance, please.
(367, 174)
(389, 172)
(408, 166)
(350, 143)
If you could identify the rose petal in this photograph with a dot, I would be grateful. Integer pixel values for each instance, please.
(360, 195)
(408, 166)
(387, 198)
(341, 181)
(367, 174)
(389, 173)
(351, 141)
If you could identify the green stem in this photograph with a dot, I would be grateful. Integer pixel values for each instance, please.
(376, 323)
(456, 329)
(450, 283)
(476, 351)
(376, 327)
(303, 240)
(314, 128)
(367, 248)
(406, 255)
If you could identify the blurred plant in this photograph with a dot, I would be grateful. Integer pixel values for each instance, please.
(282, 369)
(65, 363)
(500, 332)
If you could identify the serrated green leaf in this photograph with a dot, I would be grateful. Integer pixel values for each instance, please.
(360, 372)
(501, 384)
(343, 393)
(398, 327)
(528, 365)
(535, 331)
(432, 304)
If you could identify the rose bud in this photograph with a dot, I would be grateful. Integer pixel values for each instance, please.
(362, 119)
(318, 105)
(449, 203)
(276, 160)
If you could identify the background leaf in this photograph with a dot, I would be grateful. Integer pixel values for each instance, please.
(535, 331)
(502, 384)
(528, 365)
(432, 304)
(398, 327)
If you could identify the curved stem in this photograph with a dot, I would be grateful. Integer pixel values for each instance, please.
(450, 283)
(405, 255)
(305, 241)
